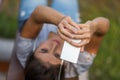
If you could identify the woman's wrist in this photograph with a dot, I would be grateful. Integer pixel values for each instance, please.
(59, 19)
(92, 26)
(62, 18)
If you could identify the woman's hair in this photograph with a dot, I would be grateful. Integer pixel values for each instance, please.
(36, 70)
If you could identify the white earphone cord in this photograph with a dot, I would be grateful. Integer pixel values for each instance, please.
(59, 75)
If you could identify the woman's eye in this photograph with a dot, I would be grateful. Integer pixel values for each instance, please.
(44, 50)
(57, 55)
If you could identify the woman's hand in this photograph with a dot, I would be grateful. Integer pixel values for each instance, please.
(84, 34)
(66, 28)
(69, 31)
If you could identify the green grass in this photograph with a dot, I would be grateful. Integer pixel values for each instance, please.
(8, 25)
(106, 65)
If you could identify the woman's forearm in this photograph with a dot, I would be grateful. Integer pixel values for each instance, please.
(43, 14)
(39, 16)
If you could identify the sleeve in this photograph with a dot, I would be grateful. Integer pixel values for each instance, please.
(24, 48)
(85, 60)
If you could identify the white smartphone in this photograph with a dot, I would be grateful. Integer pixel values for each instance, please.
(70, 53)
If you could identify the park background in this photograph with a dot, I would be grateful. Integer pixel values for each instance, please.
(107, 63)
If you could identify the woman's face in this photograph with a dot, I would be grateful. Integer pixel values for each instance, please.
(49, 51)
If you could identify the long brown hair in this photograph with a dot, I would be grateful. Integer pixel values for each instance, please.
(35, 70)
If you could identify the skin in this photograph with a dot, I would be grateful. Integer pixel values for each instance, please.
(49, 51)
(91, 33)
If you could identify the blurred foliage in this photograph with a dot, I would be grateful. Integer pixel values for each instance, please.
(8, 18)
(106, 65)
(8, 25)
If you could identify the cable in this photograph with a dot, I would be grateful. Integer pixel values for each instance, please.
(60, 69)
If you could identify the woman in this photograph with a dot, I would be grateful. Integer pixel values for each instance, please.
(48, 31)
(90, 32)
(48, 49)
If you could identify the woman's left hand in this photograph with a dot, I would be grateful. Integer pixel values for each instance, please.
(84, 34)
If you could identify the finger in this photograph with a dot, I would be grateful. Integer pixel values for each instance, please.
(69, 27)
(75, 25)
(70, 21)
(82, 36)
(82, 31)
(82, 49)
(82, 43)
(64, 37)
(64, 31)
(84, 26)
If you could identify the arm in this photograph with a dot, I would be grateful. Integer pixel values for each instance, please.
(44, 14)
(39, 16)
(99, 27)
(15, 70)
